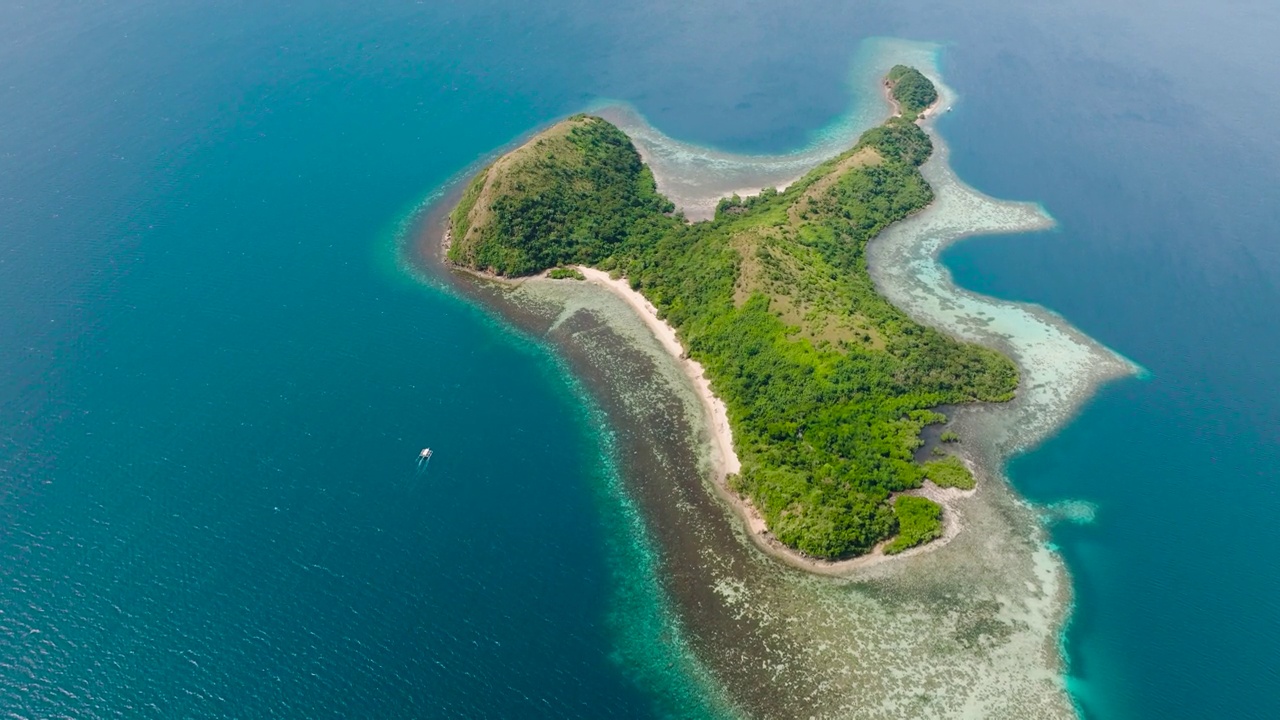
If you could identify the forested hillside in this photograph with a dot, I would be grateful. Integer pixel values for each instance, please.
(827, 385)
(913, 91)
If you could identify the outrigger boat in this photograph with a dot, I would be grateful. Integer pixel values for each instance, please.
(425, 454)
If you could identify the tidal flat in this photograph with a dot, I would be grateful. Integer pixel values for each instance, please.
(967, 629)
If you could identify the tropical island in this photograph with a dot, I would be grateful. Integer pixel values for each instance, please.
(827, 385)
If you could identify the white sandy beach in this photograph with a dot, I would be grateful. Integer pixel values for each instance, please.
(725, 459)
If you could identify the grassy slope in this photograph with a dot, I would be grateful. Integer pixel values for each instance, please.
(827, 384)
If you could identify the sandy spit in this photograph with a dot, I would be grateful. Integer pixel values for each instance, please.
(726, 460)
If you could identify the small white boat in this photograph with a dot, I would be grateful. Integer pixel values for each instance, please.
(425, 454)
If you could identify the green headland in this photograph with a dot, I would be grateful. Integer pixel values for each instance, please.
(911, 90)
(827, 384)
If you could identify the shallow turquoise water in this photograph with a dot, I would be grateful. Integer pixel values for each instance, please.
(216, 380)
(1167, 252)
(218, 388)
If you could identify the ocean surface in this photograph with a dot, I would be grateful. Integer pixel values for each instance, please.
(217, 373)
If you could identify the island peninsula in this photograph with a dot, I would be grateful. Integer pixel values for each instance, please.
(827, 385)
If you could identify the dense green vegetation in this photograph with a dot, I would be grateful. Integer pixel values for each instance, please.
(919, 521)
(571, 195)
(949, 472)
(913, 91)
(565, 273)
(828, 385)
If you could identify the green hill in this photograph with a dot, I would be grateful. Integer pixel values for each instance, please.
(913, 91)
(572, 194)
(827, 385)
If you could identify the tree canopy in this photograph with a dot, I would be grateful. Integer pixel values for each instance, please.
(913, 91)
(827, 384)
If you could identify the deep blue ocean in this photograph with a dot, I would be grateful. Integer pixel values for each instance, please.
(216, 374)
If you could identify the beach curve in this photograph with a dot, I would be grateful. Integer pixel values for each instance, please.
(725, 460)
